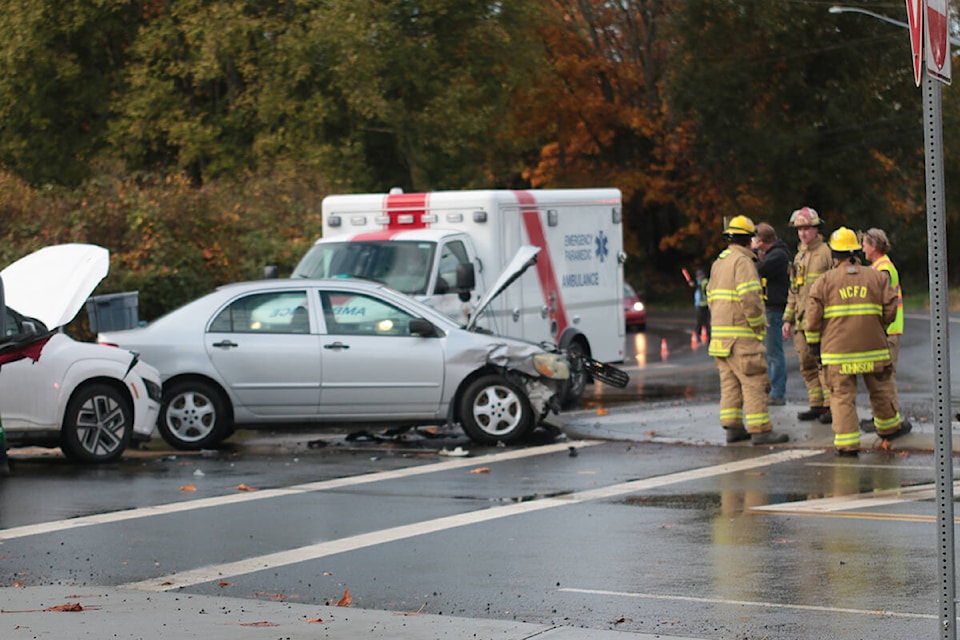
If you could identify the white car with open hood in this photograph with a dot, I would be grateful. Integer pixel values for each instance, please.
(90, 400)
(346, 352)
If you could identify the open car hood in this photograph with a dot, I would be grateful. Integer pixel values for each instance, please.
(53, 283)
(525, 258)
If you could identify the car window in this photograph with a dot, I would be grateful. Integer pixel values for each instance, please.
(358, 314)
(274, 312)
(452, 254)
(17, 324)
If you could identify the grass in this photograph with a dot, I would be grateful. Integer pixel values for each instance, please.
(921, 301)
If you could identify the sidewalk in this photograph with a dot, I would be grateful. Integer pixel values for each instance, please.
(124, 614)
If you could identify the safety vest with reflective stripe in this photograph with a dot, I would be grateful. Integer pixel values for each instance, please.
(885, 264)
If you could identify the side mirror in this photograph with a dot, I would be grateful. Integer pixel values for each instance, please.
(466, 280)
(422, 327)
(271, 271)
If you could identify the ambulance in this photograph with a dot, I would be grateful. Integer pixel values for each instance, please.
(446, 248)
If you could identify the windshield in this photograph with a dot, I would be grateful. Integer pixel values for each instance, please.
(404, 266)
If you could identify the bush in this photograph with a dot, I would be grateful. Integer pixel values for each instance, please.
(168, 239)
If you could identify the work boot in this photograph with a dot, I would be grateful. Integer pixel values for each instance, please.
(847, 453)
(825, 417)
(867, 426)
(810, 414)
(905, 428)
(736, 434)
(776, 402)
(768, 437)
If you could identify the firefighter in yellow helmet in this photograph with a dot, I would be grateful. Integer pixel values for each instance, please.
(811, 261)
(737, 328)
(848, 312)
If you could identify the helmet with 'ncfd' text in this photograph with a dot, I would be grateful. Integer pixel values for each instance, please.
(805, 217)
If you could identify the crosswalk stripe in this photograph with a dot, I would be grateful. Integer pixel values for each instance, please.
(351, 543)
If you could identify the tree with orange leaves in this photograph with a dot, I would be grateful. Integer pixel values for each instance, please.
(610, 125)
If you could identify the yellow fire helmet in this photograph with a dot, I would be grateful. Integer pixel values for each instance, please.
(844, 240)
(740, 226)
(805, 217)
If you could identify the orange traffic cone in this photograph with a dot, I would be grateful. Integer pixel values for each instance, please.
(694, 344)
(664, 352)
(703, 335)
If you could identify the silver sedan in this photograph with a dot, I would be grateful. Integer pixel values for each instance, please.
(340, 351)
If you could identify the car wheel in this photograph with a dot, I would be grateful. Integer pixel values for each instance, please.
(493, 410)
(193, 416)
(577, 382)
(97, 425)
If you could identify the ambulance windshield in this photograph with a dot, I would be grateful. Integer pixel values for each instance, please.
(404, 266)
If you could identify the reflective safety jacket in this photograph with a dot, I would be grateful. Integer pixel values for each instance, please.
(884, 263)
(736, 302)
(849, 308)
(811, 262)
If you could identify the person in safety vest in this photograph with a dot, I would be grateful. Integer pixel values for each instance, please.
(848, 312)
(811, 261)
(738, 325)
(875, 249)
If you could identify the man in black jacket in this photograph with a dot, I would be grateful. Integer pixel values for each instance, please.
(773, 266)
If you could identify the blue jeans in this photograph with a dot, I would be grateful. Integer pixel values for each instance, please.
(776, 363)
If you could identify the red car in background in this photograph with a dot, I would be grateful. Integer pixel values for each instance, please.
(635, 313)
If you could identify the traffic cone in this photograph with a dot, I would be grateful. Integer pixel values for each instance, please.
(693, 341)
(703, 335)
(664, 352)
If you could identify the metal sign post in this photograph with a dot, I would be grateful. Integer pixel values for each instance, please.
(940, 345)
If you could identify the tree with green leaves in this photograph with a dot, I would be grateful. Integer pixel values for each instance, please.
(59, 64)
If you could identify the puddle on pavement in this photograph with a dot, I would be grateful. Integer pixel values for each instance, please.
(646, 392)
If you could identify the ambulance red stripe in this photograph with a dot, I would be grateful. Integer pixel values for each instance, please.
(395, 205)
(545, 271)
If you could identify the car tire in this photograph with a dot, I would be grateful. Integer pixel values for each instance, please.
(493, 410)
(97, 425)
(193, 416)
(579, 378)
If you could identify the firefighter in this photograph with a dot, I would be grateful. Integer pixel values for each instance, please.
(811, 261)
(849, 309)
(738, 325)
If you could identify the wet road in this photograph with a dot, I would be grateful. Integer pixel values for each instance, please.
(707, 542)
(672, 539)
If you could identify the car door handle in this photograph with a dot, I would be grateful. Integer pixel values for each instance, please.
(336, 345)
(225, 344)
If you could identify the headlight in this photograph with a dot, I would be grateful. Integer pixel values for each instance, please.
(552, 365)
(638, 306)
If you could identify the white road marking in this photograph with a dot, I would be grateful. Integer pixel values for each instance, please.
(323, 485)
(352, 543)
(858, 500)
(751, 603)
